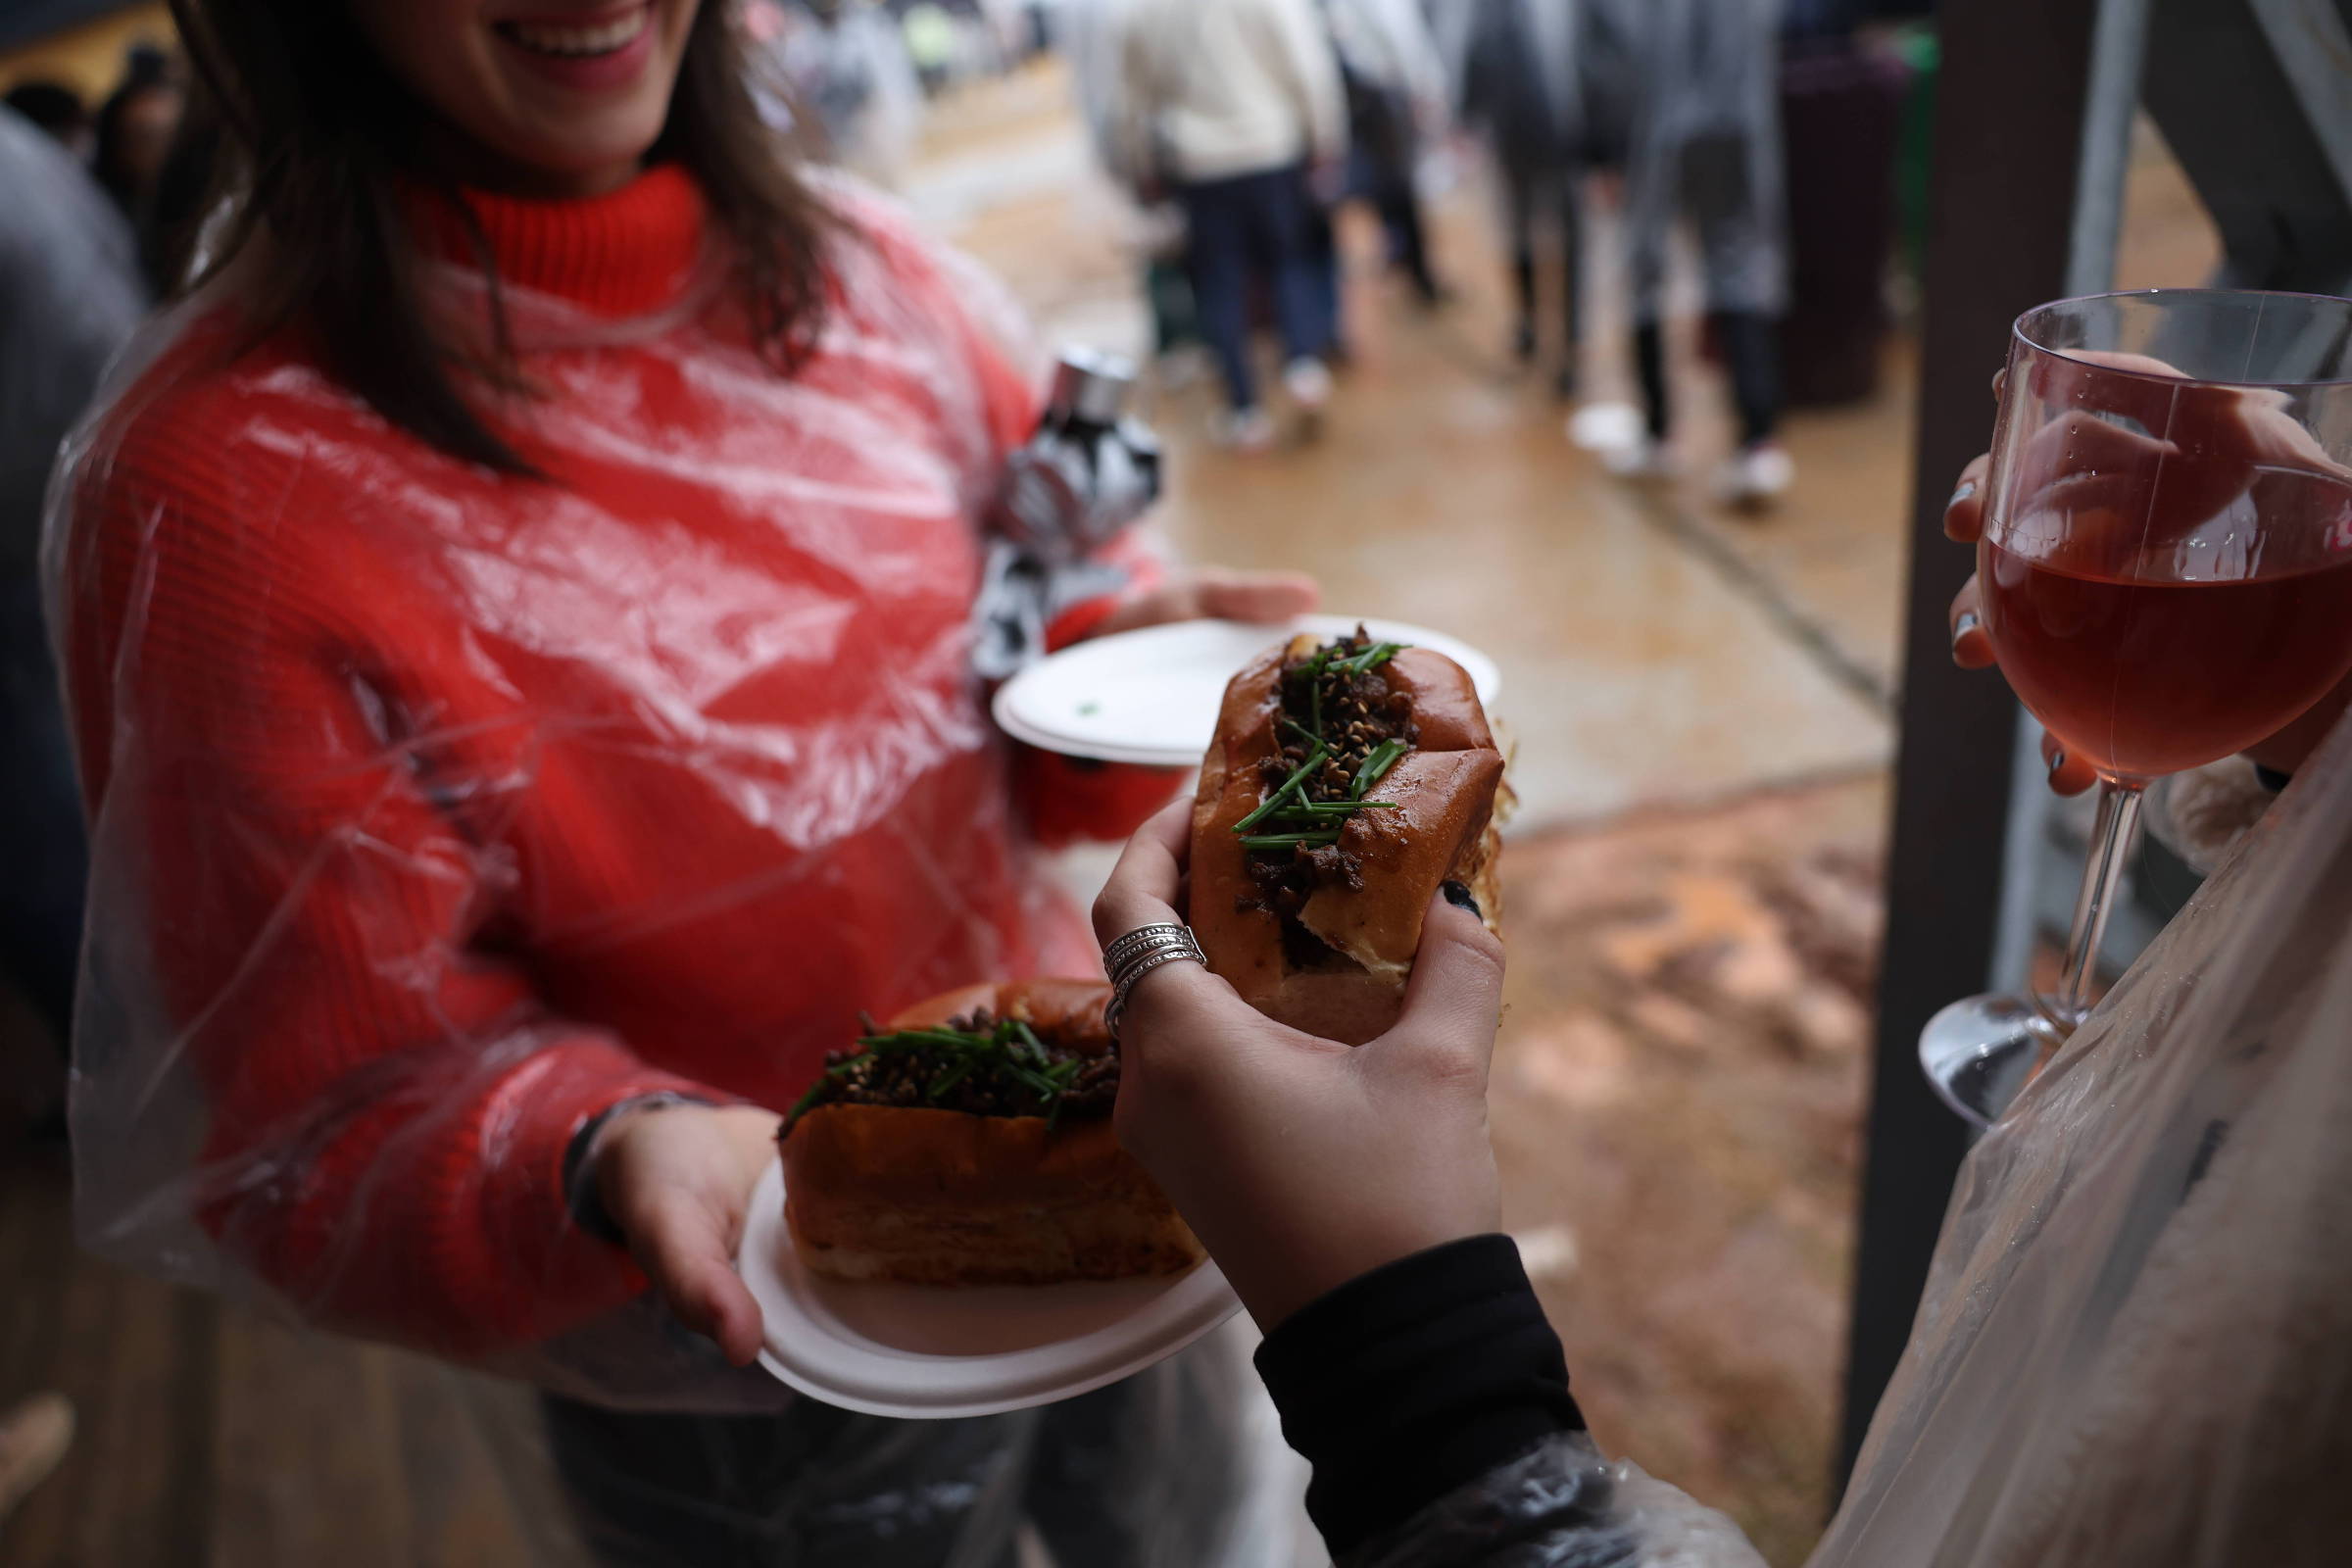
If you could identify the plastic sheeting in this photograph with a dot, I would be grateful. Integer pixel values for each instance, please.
(2136, 1340)
(436, 809)
(1705, 148)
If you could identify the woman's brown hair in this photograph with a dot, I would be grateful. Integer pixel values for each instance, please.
(319, 134)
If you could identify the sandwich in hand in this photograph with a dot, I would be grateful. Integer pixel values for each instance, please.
(1347, 780)
(969, 1142)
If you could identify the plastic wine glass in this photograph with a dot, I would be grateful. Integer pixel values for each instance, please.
(2164, 574)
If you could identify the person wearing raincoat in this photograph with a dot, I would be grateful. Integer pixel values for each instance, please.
(1390, 74)
(516, 617)
(1513, 65)
(1703, 148)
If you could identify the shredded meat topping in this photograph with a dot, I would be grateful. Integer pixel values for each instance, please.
(1353, 715)
(988, 1084)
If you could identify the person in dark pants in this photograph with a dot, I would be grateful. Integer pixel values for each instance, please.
(1235, 105)
(1244, 232)
(1514, 69)
(834, 1489)
(1389, 73)
(1706, 149)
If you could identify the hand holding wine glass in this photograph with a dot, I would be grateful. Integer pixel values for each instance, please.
(2237, 430)
(2164, 575)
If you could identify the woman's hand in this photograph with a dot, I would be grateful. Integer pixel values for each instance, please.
(1300, 1162)
(2213, 440)
(1972, 648)
(676, 1180)
(1216, 593)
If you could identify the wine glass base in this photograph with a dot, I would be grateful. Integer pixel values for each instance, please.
(1979, 1052)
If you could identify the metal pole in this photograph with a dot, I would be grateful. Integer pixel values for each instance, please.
(2119, 48)
(2009, 129)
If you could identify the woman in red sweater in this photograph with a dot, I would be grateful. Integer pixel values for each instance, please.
(517, 627)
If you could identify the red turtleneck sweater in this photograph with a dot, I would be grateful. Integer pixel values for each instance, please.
(438, 811)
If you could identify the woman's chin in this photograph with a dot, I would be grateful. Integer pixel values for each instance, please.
(567, 158)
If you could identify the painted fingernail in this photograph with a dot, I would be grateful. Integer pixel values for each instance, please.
(1968, 487)
(1460, 897)
(1963, 627)
(2057, 762)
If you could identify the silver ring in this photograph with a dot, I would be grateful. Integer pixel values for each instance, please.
(1141, 962)
(1180, 944)
(1125, 947)
(1146, 942)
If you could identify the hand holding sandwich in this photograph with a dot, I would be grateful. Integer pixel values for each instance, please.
(1302, 1163)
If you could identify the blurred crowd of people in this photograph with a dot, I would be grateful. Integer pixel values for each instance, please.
(1253, 120)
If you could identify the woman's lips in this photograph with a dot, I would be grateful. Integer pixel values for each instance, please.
(605, 50)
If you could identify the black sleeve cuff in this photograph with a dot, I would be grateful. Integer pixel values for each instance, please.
(1409, 1381)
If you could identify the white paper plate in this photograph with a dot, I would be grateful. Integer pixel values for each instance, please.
(929, 1352)
(1151, 696)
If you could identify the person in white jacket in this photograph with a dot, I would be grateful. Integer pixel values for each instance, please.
(1229, 104)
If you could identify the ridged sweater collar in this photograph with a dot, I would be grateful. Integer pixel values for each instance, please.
(624, 252)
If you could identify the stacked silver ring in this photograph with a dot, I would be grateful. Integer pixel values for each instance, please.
(1140, 951)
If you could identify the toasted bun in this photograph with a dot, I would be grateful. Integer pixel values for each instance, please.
(1442, 830)
(944, 1197)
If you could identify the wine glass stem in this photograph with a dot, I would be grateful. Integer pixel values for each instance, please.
(2111, 844)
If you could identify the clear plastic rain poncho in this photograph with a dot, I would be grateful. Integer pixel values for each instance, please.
(1703, 146)
(2135, 1343)
(436, 810)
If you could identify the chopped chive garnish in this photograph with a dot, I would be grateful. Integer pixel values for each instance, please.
(1370, 658)
(1376, 767)
(1288, 788)
(1305, 822)
(1009, 1048)
(800, 1106)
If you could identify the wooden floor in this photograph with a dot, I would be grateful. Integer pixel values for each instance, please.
(210, 1435)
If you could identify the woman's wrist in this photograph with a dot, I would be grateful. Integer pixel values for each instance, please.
(583, 1194)
(1278, 1277)
(1414, 1378)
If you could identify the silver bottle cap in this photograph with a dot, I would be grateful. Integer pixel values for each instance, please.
(1091, 385)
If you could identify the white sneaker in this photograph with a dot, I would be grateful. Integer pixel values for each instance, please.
(1600, 426)
(1757, 477)
(1243, 431)
(1309, 383)
(1643, 458)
